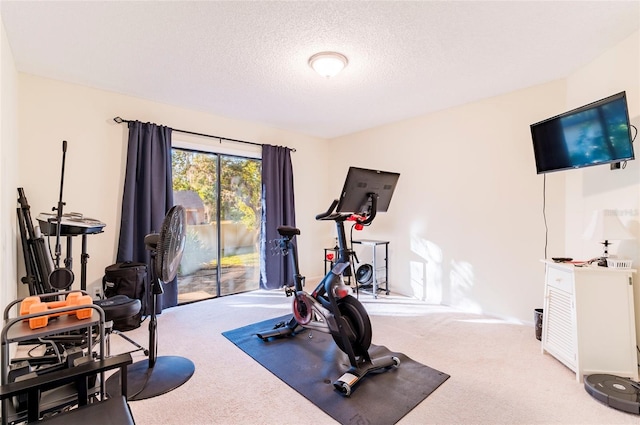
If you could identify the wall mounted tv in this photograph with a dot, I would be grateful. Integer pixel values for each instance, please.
(594, 134)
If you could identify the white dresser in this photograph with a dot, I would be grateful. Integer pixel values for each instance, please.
(589, 319)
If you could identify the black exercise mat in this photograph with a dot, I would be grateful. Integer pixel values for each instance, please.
(310, 362)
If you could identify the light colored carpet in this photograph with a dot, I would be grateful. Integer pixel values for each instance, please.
(498, 374)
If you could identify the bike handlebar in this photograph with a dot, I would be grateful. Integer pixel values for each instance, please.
(328, 212)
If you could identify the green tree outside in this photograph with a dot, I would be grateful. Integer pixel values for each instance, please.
(240, 183)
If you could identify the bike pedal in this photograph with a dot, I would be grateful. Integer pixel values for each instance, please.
(289, 290)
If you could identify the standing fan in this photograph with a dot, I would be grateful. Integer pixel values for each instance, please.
(161, 374)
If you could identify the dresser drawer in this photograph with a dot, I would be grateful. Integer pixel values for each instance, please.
(560, 278)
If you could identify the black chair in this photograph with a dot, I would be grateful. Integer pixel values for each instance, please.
(125, 286)
(117, 309)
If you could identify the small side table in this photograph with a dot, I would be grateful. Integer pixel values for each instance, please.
(374, 244)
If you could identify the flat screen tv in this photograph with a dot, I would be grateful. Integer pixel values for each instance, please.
(594, 134)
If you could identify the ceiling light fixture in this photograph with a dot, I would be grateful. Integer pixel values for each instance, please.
(328, 64)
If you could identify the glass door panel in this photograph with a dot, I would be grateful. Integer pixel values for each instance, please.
(222, 197)
(240, 213)
(195, 188)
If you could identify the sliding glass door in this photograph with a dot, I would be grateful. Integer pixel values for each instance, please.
(222, 197)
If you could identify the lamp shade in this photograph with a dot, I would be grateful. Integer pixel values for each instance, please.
(606, 225)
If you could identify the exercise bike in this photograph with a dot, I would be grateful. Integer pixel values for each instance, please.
(331, 308)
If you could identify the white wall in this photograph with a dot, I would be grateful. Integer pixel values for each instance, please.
(596, 188)
(8, 171)
(465, 225)
(53, 111)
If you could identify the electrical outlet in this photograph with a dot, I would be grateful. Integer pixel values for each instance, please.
(97, 292)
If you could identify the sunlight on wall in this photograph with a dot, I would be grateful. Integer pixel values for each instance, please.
(418, 277)
(434, 281)
(426, 274)
(462, 280)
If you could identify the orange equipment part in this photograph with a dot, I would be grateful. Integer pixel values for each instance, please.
(33, 304)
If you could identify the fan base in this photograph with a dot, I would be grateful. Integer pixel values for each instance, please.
(167, 374)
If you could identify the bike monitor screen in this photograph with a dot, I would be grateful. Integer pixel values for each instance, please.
(362, 182)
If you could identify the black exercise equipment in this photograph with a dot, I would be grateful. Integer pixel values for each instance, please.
(67, 225)
(72, 225)
(113, 410)
(330, 308)
(160, 375)
(60, 277)
(37, 259)
(44, 272)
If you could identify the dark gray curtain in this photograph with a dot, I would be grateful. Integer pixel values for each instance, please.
(147, 197)
(277, 210)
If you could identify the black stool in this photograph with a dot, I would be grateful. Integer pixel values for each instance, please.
(119, 312)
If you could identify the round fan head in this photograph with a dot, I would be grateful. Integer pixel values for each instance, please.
(171, 243)
(364, 274)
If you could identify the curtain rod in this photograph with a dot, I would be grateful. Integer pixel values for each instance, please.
(121, 120)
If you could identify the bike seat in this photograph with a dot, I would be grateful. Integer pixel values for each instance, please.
(288, 231)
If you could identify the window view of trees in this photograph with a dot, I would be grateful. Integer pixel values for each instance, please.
(222, 197)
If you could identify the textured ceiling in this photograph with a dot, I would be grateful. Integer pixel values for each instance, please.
(248, 60)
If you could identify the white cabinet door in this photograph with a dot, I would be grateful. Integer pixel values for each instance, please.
(589, 319)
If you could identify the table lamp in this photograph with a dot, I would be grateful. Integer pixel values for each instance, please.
(606, 226)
